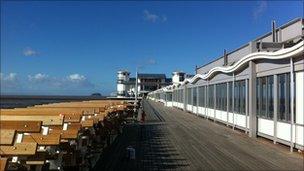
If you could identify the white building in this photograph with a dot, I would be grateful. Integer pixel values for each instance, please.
(146, 82)
(257, 88)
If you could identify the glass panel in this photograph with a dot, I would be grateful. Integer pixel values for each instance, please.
(217, 97)
(211, 96)
(258, 96)
(236, 97)
(230, 97)
(194, 94)
(263, 90)
(224, 108)
(189, 96)
(270, 96)
(288, 98)
(201, 96)
(282, 97)
(169, 96)
(242, 100)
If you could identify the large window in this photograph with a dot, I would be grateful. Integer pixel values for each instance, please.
(179, 96)
(218, 96)
(224, 97)
(181, 93)
(236, 97)
(265, 97)
(162, 96)
(157, 96)
(242, 97)
(201, 91)
(189, 96)
(221, 97)
(173, 95)
(230, 97)
(284, 97)
(194, 95)
(270, 96)
(169, 96)
(211, 96)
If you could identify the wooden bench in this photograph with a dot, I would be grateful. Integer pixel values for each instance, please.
(40, 139)
(7, 136)
(24, 129)
(70, 133)
(3, 162)
(70, 115)
(20, 125)
(46, 120)
(18, 149)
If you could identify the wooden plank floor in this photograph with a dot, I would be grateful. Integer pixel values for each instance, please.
(171, 139)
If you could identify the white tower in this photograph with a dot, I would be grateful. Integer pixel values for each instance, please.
(122, 78)
(178, 77)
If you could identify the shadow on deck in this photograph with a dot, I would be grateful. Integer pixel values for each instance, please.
(154, 151)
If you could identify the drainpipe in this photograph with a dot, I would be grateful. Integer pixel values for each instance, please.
(275, 107)
(228, 103)
(233, 96)
(207, 97)
(197, 100)
(214, 102)
(291, 103)
(246, 104)
(185, 97)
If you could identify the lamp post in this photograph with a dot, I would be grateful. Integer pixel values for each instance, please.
(136, 93)
(136, 86)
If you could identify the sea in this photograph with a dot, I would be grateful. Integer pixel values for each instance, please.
(18, 101)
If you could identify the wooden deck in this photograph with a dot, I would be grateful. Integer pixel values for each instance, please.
(171, 139)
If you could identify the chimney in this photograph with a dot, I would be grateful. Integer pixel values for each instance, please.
(225, 58)
(273, 31)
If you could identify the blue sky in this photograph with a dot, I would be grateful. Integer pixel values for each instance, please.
(75, 48)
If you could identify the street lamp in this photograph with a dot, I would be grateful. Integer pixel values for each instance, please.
(136, 86)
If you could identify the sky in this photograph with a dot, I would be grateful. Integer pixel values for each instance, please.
(76, 47)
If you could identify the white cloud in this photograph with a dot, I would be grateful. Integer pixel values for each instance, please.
(164, 18)
(38, 77)
(76, 77)
(42, 83)
(151, 61)
(260, 9)
(30, 52)
(153, 17)
(9, 81)
(9, 77)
